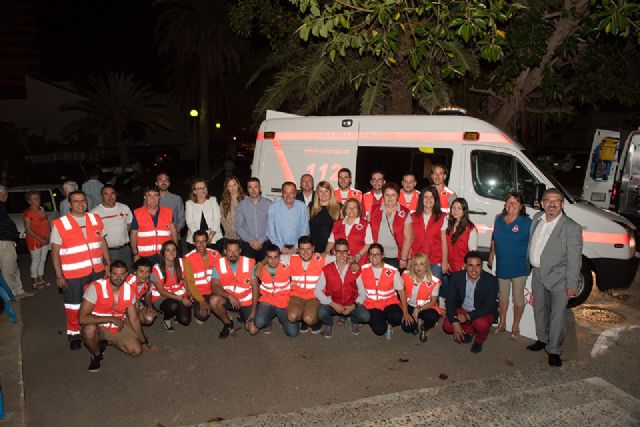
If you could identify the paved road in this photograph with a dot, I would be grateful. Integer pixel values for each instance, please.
(195, 377)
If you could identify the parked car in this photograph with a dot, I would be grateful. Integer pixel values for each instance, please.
(50, 198)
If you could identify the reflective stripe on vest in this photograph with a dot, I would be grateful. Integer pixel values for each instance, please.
(238, 284)
(80, 253)
(105, 302)
(172, 286)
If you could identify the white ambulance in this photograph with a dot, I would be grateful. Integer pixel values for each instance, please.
(484, 166)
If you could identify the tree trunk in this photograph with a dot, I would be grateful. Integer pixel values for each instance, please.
(401, 100)
(530, 79)
(123, 155)
(205, 123)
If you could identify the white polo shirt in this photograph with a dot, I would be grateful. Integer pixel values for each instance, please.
(116, 221)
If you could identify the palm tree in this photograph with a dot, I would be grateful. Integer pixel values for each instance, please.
(112, 106)
(195, 37)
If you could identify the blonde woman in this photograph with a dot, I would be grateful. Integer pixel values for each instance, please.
(322, 214)
(202, 212)
(422, 288)
(232, 194)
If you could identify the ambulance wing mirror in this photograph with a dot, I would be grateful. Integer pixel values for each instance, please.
(538, 190)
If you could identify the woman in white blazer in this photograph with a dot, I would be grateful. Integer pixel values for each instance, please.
(202, 213)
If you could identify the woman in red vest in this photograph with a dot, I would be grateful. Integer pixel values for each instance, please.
(355, 229)
(462, 237)
(422, 288)
(429, 231)
(168, 294)
(391, 227)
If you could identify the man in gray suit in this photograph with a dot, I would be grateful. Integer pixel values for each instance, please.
(555, 253)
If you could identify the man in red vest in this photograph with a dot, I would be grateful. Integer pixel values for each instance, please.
(152, 225)
(140, 280)
(198, 268)
(306, 267)
(109, 312)
(338, 292)
(77, 252)
(447, 195)
(373, 197)
(235, 288)
(409, 196)
(344, 191)
(275, 291)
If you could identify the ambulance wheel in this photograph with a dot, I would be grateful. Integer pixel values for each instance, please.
(585, 285)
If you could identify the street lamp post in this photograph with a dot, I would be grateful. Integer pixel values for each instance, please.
(194, 130)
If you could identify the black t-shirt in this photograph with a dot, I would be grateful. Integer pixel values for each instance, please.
(321, 226)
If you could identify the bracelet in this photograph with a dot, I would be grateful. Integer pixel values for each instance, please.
(403, 259)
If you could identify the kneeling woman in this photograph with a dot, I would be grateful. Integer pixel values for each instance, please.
(168, 293)
(421, 287)
(381, 309)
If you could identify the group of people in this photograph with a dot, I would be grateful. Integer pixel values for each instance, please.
(393, 256)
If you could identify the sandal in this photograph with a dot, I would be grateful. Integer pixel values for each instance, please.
(515, 334)
(499, 328)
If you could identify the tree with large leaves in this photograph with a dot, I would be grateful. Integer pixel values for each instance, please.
(113, 106)
(194, 36)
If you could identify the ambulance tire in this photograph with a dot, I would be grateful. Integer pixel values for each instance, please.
(585, 286)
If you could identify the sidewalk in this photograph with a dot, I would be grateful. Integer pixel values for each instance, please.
(11, 379)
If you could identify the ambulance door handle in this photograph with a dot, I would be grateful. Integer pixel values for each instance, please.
(477, 213)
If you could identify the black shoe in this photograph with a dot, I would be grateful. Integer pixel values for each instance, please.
(304, 328)
(103, 347)
(226, 331)
(537, 346)
(94, 366)
(467, 338)
(476, 347)
(555, 360)
(75, 345)
(317, 328)
(423, 334)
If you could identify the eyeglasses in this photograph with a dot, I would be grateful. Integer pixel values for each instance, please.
(200, 188)
(374, 255)
(342, 252)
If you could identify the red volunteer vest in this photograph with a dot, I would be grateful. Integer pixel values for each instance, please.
(167, 281)
(380, 293)
(150, 237)
(369, 202)
(238, 284)
(457, 251)
(80, 255)
(445, 195)
(427, 240)
(397, 227)
(303, 283)
(202, 274)
(356, 237)
(276, 290)
(140, 291)
(352, 194)
(413, 203)
(104, 305)
(424, 291)
(341, 292)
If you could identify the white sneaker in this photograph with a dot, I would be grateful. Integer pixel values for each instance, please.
(389, 332)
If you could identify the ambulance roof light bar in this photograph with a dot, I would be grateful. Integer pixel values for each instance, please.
(451, 110)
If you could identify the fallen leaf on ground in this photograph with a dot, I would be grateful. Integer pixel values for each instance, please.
(508, 361)
(215, 420)
(444, 376)
(403, 360)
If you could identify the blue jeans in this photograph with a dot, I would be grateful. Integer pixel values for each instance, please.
(326, 313)
(436, 270)
(265, 314)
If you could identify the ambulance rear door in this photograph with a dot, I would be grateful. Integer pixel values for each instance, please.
(290, 147)
(600, 175)
(629, 176)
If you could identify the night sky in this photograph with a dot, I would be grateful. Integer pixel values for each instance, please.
(80, 38)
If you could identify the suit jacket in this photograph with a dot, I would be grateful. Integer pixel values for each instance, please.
(300, 197)
(561, 258)
(485, 297)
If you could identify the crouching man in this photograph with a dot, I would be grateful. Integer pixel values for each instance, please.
(109, 312)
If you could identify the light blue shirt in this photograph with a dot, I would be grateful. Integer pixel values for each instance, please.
(286, 225)
(251, 219)
(93, 190)
(468, 304)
